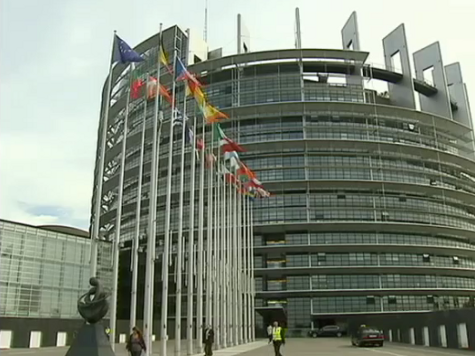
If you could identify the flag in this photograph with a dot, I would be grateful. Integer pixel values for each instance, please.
(181, 71)
(211, 114)
(123, 53)
(192, 89)
(245, 171)
(262, 193)
(188, 134)
(231, 154)
(254, 182)
(164, 58)
(163, 54)
(228, 176)
(210, 160)
(251, 193)
(136, 87)
(200, 144)
(233, 159)
(178, 120)
(166, 94)
(183, 74)
(218, 132)
(199, 96)
(228, 145)
(163, 90)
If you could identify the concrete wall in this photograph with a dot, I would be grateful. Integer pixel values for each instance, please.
(19, 331)
(22, 328)
(449, 328)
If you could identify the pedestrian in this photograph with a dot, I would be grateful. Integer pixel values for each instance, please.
(269, 333)
(108, 332)
(136, 344)
(278, 338)
(208, 340)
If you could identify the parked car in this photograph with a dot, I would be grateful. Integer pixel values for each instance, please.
(366, 336)
(329, 330)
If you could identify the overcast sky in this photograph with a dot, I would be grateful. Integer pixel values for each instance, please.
(54, 58)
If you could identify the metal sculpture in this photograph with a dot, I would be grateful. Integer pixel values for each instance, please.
(91, 339)
(94, 305)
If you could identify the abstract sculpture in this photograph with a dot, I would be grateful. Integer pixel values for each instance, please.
(91, 339)
(93, 305)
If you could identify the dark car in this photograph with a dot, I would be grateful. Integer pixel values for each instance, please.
(329, 330)
(366, 336)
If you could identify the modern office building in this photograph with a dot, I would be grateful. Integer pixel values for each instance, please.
(373, 191)
(43, 272)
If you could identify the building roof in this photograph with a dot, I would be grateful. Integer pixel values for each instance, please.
(68, 230)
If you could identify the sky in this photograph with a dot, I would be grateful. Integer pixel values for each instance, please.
(54, 59)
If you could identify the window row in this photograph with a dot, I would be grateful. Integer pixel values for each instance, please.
(282, 215)
(360, 238)
(368, 200)
(367, 281)
(322, 305)
(368, 259)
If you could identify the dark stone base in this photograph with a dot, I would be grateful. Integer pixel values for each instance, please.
(91, 340)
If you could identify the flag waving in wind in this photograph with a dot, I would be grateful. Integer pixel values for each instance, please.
(123, 53)
(227, 145)
(136, 87)
(211, 114)
(164, 58)
(183, 74)
(163, 90)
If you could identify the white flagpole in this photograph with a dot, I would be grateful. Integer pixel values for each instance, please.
(223, 266)
(136, 243)
(244, 269)
(136, 240)
(199, 276)
(152, 215)
(191, 251)
(249, 271)
(166, 245)
(217, 247)
(118, 222)
(179, 283)
(209, 245)
(96, 224)
(235, 267)
(239, 270)
(253, 285)
(230, 252)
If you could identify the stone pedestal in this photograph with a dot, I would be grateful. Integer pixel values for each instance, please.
(91, 340)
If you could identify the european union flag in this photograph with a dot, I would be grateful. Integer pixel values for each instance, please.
(123, 53)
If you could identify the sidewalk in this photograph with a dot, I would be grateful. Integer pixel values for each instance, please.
(236, 350)
(120, 350)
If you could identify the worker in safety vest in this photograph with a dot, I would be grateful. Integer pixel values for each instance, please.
(278, 338)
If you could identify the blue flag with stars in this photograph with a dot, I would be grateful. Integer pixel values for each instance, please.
(123, 53)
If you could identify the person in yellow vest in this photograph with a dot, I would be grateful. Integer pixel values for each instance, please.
(278, 338)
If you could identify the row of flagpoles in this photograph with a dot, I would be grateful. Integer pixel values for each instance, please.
(219, 266)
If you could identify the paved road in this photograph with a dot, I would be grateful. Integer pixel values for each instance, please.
(294, 347)
(342, 347)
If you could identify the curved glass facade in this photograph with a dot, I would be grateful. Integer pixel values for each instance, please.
(44, 271)
(372, 206)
